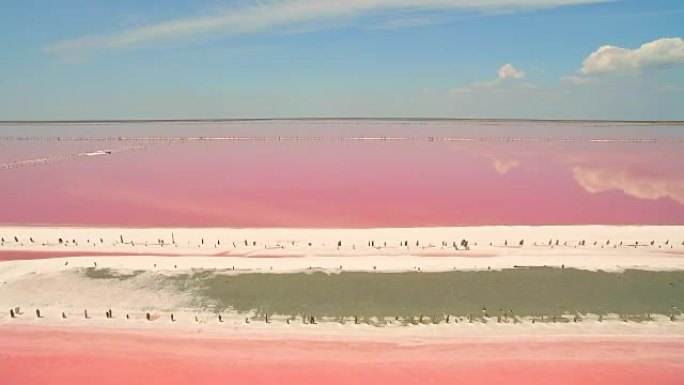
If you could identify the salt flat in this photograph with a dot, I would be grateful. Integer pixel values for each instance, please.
(385, 249)
(140, 270)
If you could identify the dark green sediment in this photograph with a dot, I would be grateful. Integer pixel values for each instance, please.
(526, 292)
(106, 273)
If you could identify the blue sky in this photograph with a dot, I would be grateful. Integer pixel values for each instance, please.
(181, 59)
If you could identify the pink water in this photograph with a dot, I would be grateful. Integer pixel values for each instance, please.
(38, 355)
(338, 184)
(349, 184)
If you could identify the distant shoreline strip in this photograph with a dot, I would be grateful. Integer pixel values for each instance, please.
(341, 138)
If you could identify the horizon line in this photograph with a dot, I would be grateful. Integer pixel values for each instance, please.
(417, 119)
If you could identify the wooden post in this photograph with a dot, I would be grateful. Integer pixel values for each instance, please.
(12, 313)
(172, 319)
(85, 314)
(220, 318)
(148, 317)
(63, 315)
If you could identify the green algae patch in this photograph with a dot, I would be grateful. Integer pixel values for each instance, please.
(520, 292)
(106, 273)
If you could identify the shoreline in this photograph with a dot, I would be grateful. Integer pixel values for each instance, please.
(658, 330)
(343, 119)
(125, 274)
(609, 248)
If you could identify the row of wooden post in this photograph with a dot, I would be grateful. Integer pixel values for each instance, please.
(312, 319)
(464, 243)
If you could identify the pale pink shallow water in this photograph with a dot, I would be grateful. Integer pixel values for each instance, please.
(333, 184)
(28, 255)
(330, 183)
(41, 355)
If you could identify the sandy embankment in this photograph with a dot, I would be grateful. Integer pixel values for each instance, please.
(82, 351)
(283, 250)
(58, 284)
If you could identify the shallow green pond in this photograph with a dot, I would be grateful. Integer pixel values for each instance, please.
(525, 292)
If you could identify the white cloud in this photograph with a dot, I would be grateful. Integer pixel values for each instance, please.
(272, 14)
(506, 72)
(610, 59)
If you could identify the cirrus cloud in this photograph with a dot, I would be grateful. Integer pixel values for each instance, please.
(268, 15)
